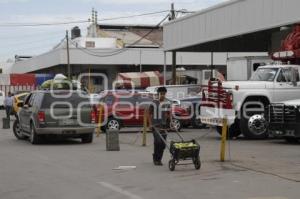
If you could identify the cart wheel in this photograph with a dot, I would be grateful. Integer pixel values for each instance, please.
(197, 163)
(172, 165)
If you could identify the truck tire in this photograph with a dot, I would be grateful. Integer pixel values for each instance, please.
(197, 124)
(18, 131)
(234, 130)
(291, 140)
(254, 118)
(34, 138)
(87, 138)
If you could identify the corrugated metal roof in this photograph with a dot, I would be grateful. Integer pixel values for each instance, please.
(209, 9)
(229, 19)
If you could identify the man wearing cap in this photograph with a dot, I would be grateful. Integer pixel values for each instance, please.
(160, 118)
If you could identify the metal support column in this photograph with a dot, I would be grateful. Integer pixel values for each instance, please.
(174, 67)
(165, 67)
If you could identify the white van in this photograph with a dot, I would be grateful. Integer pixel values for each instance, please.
(2, 97)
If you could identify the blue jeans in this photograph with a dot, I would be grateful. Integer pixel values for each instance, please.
(8, 110)
(159, 144)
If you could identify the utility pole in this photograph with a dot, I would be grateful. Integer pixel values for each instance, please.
(68, 55)
(172, 17)
(212, 65)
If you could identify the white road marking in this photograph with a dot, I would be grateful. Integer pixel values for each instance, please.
(125, 168)
(119, 190)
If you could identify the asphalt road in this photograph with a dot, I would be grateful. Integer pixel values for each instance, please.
(265, 169)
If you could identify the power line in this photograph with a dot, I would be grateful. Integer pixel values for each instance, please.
(87, 21)
(132, 16)
(77, 22)
(112, 53)
(42, 24)
(16, 43)
(35, 34)
(35, 46)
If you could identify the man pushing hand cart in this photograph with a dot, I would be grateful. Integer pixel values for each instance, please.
(160, 118)
(160, 114)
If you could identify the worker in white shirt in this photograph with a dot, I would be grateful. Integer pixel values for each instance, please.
(8, 103)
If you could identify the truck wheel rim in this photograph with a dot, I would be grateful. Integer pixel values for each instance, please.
(113, 124)
(257, 124)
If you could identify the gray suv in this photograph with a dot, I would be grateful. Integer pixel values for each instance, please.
(60, 113)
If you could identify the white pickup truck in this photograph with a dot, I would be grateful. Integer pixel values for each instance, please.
(243, 102)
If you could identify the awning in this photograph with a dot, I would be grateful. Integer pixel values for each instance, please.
(139, 80)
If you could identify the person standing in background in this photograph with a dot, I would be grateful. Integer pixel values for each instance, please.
(8, 103)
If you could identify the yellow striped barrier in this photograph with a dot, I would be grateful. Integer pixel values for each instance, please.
(224, 138)
(145, 129)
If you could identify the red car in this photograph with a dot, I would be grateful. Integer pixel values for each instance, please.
(126, 109)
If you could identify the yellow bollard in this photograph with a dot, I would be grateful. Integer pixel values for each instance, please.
(145, 128)
(224, 138)
(99, 121)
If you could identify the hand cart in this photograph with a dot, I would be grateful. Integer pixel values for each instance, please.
(181, 151)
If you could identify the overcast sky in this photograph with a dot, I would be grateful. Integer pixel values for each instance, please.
(37, 40)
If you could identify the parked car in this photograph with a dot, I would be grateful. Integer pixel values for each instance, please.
(284, 120)
(2, 97)
(118, 110)
(18, 98)
(43, 114)
(192, 104)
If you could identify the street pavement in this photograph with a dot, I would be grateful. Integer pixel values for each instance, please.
(266, 169)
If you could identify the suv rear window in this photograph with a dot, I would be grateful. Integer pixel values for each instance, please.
(75, 99)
